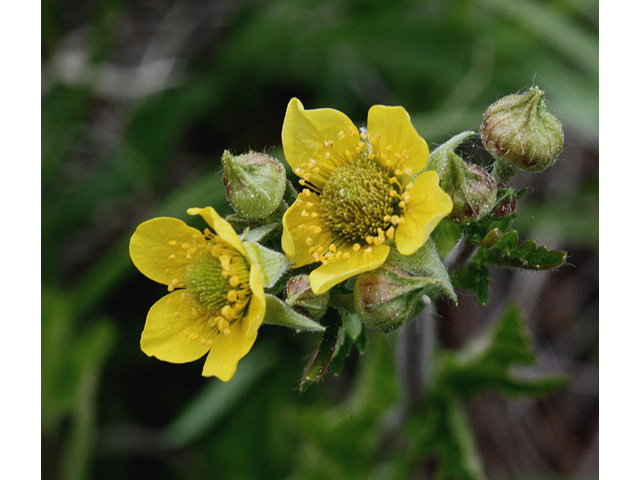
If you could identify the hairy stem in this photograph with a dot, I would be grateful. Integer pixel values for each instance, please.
(460, 255)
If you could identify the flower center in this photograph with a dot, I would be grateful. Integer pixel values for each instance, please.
(357, 201)
(218, 280)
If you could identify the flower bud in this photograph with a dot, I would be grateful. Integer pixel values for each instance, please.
(255, 183)
(505, 203)
(302, 299)
(518, 130)
(472, 190)
(385, 298)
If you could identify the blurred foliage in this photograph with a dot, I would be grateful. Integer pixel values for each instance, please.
(140, 99)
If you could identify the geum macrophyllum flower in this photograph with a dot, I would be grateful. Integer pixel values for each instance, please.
(216, 301)
(360, 191)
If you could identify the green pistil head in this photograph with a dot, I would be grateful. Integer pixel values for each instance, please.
(205, 282)
(356, 199)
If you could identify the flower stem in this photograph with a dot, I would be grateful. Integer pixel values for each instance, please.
(460, 255)
(414, 355)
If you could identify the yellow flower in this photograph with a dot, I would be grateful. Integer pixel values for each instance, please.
(360, 191)
(216, 301)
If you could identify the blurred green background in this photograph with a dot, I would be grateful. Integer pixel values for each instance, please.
(139, 100)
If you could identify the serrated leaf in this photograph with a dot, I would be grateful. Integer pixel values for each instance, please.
(279, 313)
(485, 365)
(439, 428)
(502, 249)
(475, 277)
(323, 355)
(341, 351)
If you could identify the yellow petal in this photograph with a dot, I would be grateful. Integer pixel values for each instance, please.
(392, 126)
(226, 352)
(220, 226)
(156, 249)
(428, 205)
(326, 276)
(295, 240)
(304, 133)
(257, 304)
(172, 333)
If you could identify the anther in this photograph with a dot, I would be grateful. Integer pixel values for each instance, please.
(390, 232)
(172, 257)
(356, 247)
(172, 243)
(227, 312)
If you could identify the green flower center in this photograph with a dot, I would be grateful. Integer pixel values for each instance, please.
(357, 201)
(218, 281)
(206, 284)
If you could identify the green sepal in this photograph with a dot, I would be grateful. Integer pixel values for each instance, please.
(262, 233)
(438, 159)
(485, 364)
(274, 264)
(502, 249)
(427, 263)
(279, 313)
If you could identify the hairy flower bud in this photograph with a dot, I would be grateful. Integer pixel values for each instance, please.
(385, 298)
(505, 202)
(302, 299)
(518, 130)
(255, 183)
(472, 190)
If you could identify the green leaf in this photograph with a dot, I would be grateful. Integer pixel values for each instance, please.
(475, 277)
(279, 313)
(486, 364)
(440, 429)
(274, 264)
(351, 333)
(324, 354)
(502, 249)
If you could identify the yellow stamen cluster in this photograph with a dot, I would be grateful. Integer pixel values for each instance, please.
(217, 282)
(361, 202)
